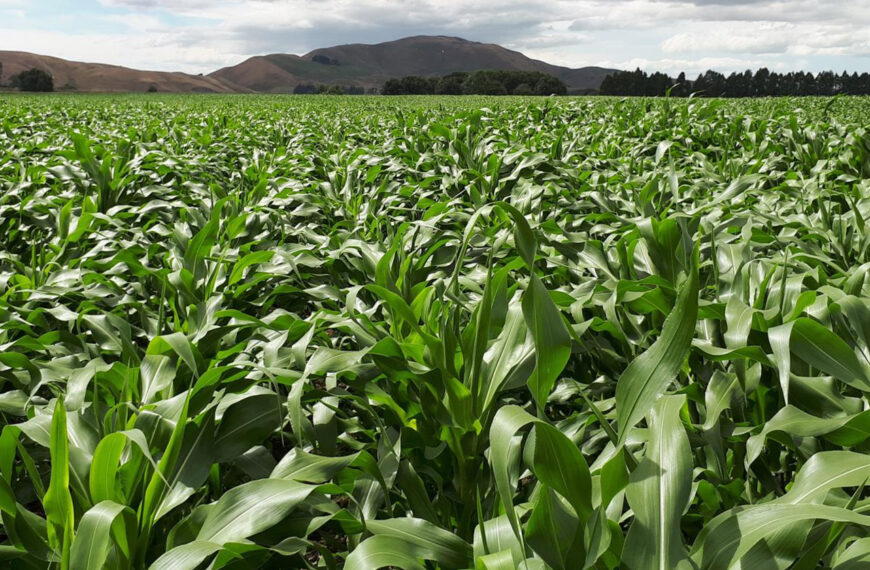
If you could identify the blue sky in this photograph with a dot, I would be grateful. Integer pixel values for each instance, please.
(667, 35)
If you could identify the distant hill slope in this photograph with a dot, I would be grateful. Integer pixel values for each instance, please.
(368, 66)
(360, 65)
(99, 77)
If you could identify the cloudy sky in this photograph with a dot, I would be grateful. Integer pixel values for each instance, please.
(667, 35)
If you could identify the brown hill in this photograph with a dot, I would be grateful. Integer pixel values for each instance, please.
(368, 66)
(359, 65)
(99, 77)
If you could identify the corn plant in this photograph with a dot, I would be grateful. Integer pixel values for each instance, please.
(287, 332)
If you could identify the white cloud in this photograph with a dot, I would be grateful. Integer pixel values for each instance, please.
(160, 51)
(138, 22)
(693, 67)
(770, 37)
(731, 37)
(200, 35)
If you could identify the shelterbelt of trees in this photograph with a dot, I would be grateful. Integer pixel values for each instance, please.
(499, 82)
(762, 83)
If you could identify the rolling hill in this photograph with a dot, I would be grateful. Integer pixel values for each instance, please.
(369, 66)
(100, 77)
(358, 65)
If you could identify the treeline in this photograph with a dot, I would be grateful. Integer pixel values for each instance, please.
(762, 83)
(478, 83)
(312, 89)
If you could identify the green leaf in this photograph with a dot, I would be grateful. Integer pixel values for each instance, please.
(58, 500)
(825, 471)
(649, 375)
(178, 343)
(247, 423)
(796, 423)
(506, 356)
(253, 258)
(559, 464)
(309, 468)
(659, 491)
(199, 247)
(191, 466)
(730, 536)
(103, 480)
(381, 551)
(102, 525)
(186, 556)
(552, 342)
(426, 539)
(251, 508)
(819, 347)
(552, 529)
(156, 373)
(855, 557)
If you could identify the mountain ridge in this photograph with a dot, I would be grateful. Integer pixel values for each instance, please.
(370, 65)
(106, 78)
(349, 65)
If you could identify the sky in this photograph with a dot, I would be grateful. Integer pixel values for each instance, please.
(200, 36)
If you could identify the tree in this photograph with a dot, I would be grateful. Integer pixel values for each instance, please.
(736, 85)
(451, 84)
(330, 90)
(324, 60)
(410, 85)
(700, 86)
(35, 80)
(760, 82)
(414, 85)
(392, 87)
(826, 83)
(717, 83)
(483, 83)
(305, 89)
(549, 85)
(608, 85)
(680, 86)
(523, 89)
(657, 84)
(637, 80)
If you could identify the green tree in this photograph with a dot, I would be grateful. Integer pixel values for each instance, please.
(450, 84)
(35, 80)
(483, 83)
(523, 89)
(760, 82)
(392, 87)
(414, 85)
(680, 87)
(549, 85)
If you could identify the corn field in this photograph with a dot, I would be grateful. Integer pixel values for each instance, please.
(420, 333)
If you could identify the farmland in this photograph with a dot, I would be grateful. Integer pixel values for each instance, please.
(288, 332)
